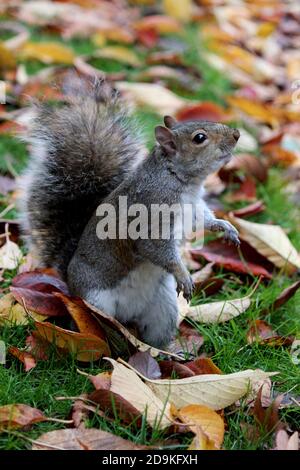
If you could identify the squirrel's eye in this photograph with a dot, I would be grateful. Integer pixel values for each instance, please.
(199, 138)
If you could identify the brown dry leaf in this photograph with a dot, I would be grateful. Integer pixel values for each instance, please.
(160, 99)
(268, 418)
(24, 356)
(215, 391)
(83, 439)
(79, 412)
(171, 368)
(19, 415)
(270, 241)
(214, 312)
(205, 111)
(13, 313)
(203, 365)
(43, 303)
(285, 295)
(87, 347)
(262, 333)
(81, 315)
(286, 442)
(116, 406)
(127, 383)
(114, 324)
(207, 419)
(47, 52)
(251, 209)
(248, 163)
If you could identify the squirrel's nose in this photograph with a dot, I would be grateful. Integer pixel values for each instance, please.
(236, 134)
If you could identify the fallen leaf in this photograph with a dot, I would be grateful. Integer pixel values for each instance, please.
(120, 54)
(215, 391)
(244, 259)
(170, 369)
(205, 111)
(251, 209)
(248, 163)
(128, 384)
(261, 332)
(117, 407)
(203, 365)
(246, 192)
(79, 412)
(82, 316)
(268, 418)
(201, 441)
(10, 255)
(12, 313)
(182, 10)
(86, 347)
(18, 416)
(47, 52)
(270, 241)
(160, 99)
(207, 419)
(286, 295)
(40, 278)
(83, 439)
(145, 364)
(214, 312)
(44, 303)
(161, 24)
(101, 381)
(24, 356)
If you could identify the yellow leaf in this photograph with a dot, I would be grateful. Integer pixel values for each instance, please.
(201, 441)
(48, 52)
(260, 112)
(120, 54)
(87, 347)
(207, 419)
(181, 10)
(12, 313)
(7, 59)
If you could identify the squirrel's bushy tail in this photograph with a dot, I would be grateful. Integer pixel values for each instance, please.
(80, 152)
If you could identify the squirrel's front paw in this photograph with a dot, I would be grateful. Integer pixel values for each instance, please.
(187, 286)
(230, 232)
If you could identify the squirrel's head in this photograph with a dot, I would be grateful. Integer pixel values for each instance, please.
(196, 147)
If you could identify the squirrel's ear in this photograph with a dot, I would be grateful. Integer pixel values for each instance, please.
(169, 122)
(166, 139)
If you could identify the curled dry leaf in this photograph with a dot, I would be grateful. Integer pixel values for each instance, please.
(244, 259)
(19, 415)
(44, 303)
(38, 280)
(251, 209)
(268, 418)
(24, 356)
(286, 294)
(215, 391)
(214, 312)
(271, 242)
(83, 439)
(101, 381)
(81, 315)
(207, 419)
(86, 347)
(263, 333)
(203, 365)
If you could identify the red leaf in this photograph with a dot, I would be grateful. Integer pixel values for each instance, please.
(205, 111)
(169, 368)
(246, 192)
(40, 302)
(37, 278)
(23, 356)
(228, 257)
(251, 209)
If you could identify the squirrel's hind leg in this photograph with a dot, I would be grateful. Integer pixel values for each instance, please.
(157, 324)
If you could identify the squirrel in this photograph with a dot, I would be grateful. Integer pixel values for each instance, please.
(87, 153)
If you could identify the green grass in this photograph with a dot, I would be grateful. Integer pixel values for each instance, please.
(226, 343)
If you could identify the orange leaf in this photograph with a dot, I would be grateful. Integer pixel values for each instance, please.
(19, 415)
(25, 357)
(87, 347)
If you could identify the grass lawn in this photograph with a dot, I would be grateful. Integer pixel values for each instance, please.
(226, 342)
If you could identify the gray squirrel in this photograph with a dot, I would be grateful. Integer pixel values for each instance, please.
(87, 153)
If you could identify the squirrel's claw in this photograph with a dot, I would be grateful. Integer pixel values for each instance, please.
(187, 287)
